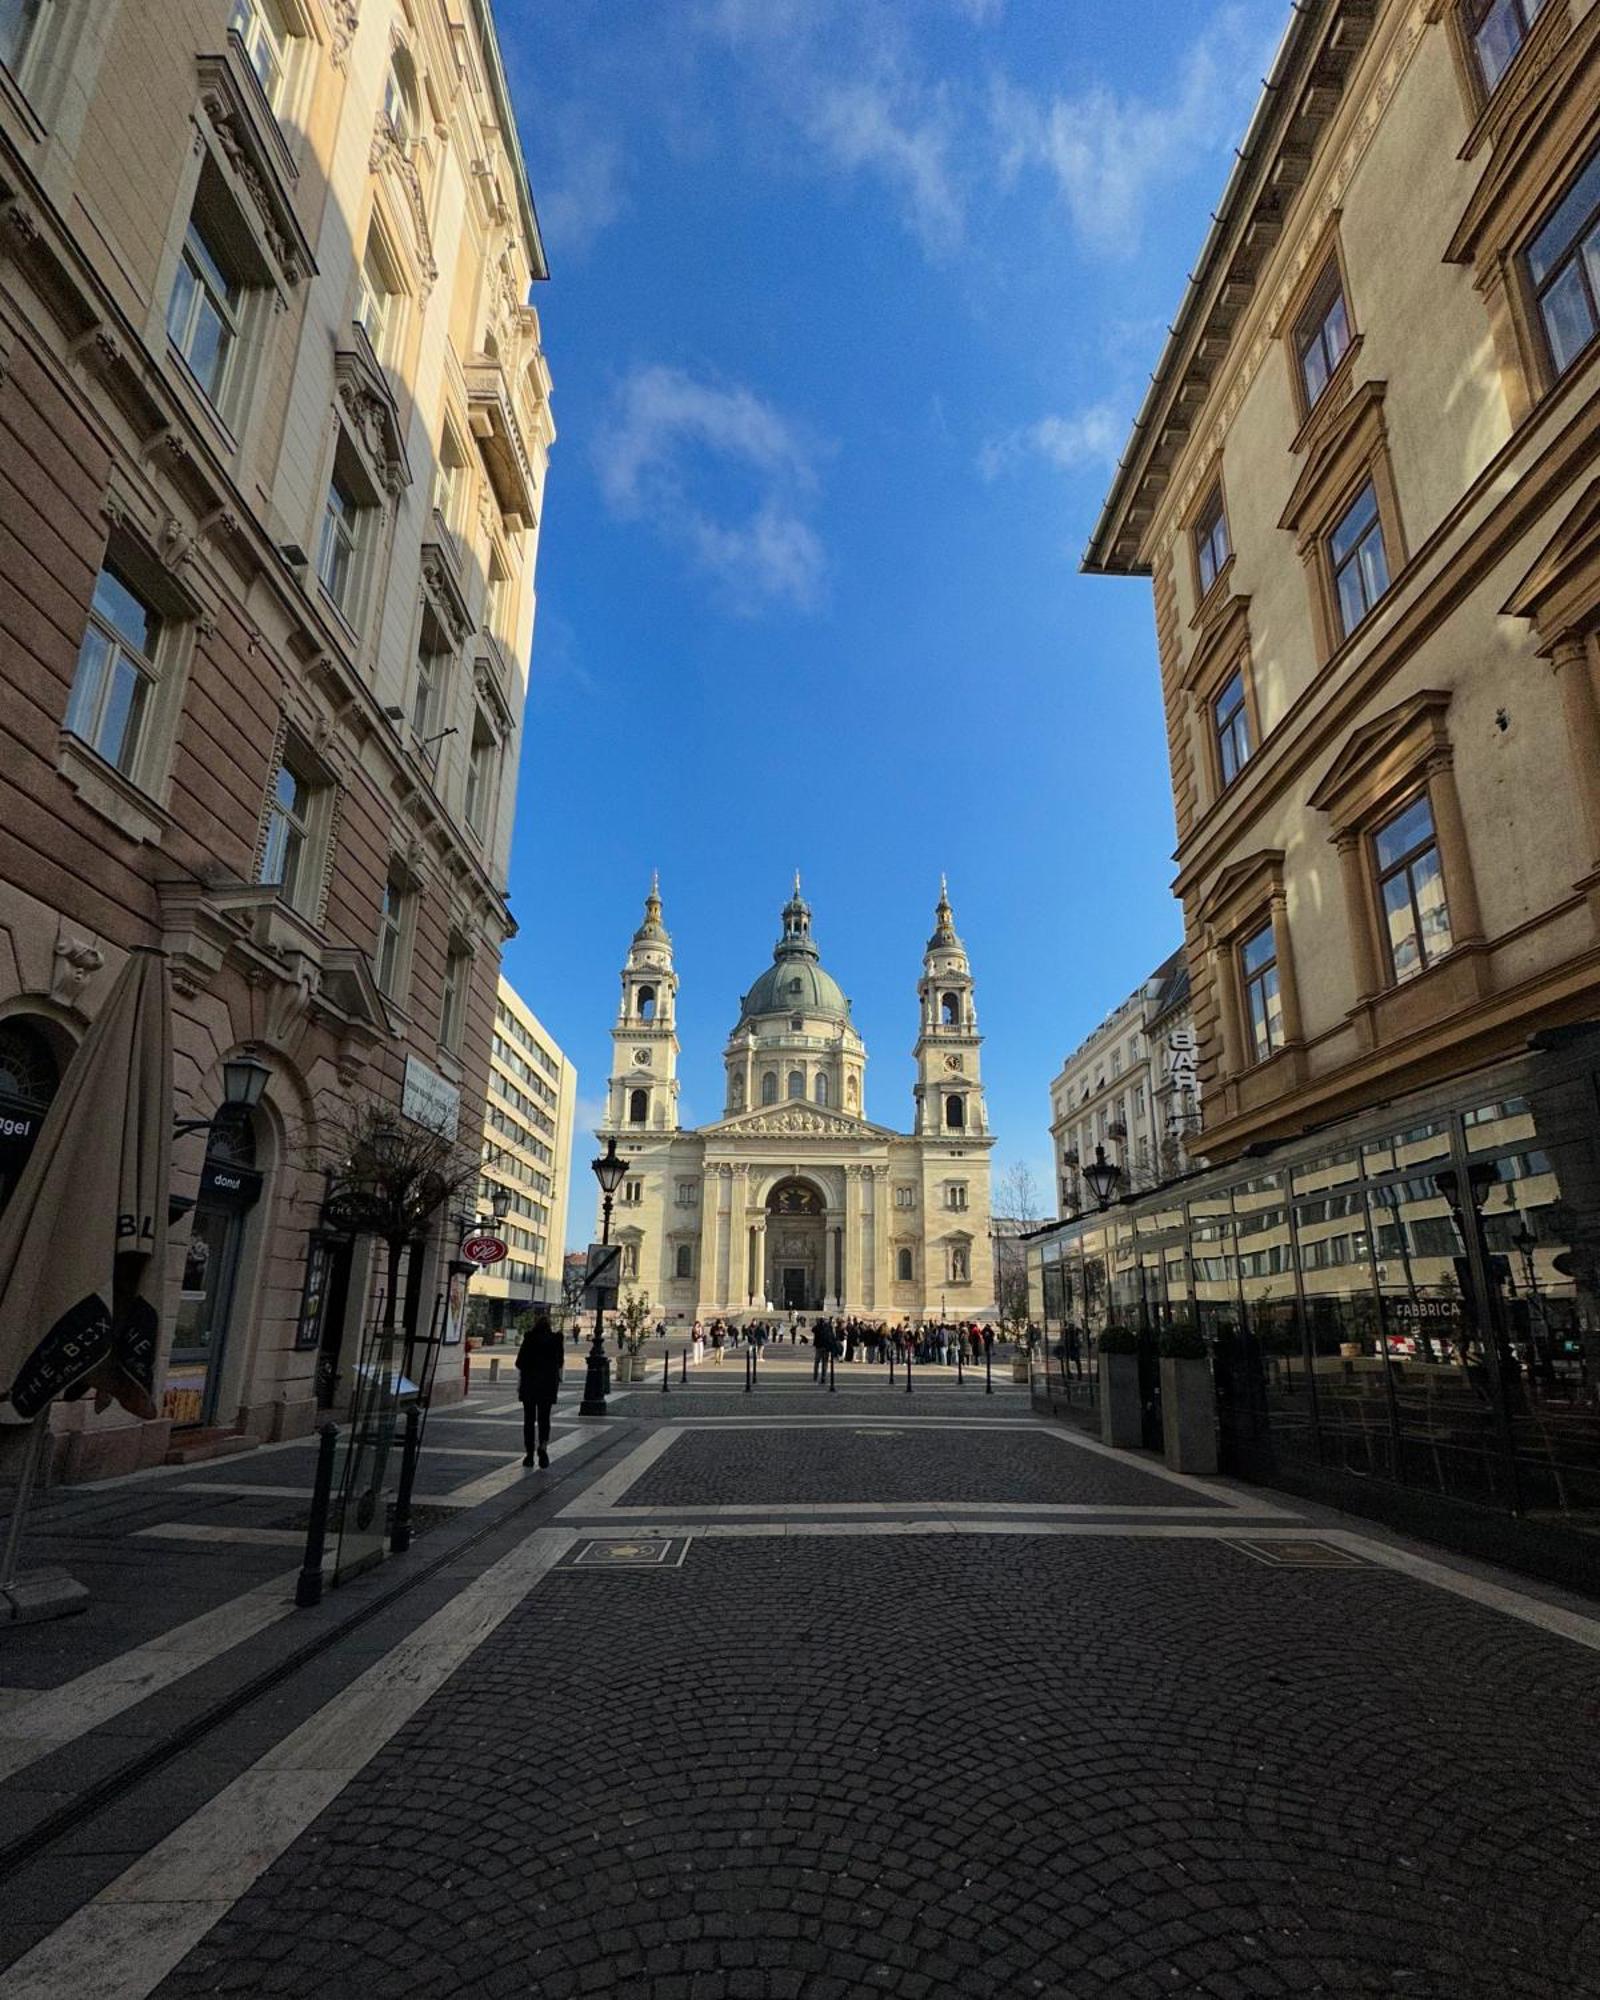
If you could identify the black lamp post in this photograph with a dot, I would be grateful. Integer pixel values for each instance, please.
(608, 1170)
(243, 1082)
(1104, 1177)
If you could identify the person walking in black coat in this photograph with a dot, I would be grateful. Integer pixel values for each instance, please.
(539, 1364)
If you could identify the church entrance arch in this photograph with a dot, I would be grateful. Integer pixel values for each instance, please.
(797, 1243)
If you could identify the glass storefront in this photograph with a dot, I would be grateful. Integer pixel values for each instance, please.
(1413, 1296)
(230, 1187)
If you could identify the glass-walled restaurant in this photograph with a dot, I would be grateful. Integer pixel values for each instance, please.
(1412, 1296)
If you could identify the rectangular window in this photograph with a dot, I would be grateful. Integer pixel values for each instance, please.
(376, 311)
(495, 595)
(905, 1197)
(1564, 265)
(1498, 29)
(203, 312)
(287, 854)
(390, 960)
(453, 997)
(481, 762)
(1258, 958)
(116, 671)
(956, 1195)
(633, 1193)
(265, 42)
(18, 19)
(1360, 562)
(1138, 1101)
(688, 1193)
(1322, 336)
(1230, 718)
(1211, 542)
(1411, 890)
(341, 542)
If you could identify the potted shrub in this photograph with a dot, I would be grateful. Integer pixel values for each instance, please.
(1121, 1422)
(633, 1325)
(1188, 1402)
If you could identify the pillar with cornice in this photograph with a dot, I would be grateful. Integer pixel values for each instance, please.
(852, 1237)
(1450, 827)
(1569, 662)
(1359, 915)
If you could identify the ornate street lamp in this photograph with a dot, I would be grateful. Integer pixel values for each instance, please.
(243, 1082)
(1104, 1177)
(609, 1170)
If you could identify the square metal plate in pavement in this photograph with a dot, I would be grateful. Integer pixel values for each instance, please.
(1288, 1554)
(635, 1553)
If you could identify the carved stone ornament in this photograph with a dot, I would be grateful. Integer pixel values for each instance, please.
(344, 17)
(76, 960)
(799, 1124)
(387, 151)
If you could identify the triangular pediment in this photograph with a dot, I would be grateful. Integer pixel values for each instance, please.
(1396, 736)
(1363, 408)
(795, 1121)
(1563, 587)
(348, 986)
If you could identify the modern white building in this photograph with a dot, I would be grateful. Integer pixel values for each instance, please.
(527, 1159)
(794, 1201)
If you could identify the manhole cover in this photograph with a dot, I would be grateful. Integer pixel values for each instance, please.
(1288, 1554)
(643, 1552)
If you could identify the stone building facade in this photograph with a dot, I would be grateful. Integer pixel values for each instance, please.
(1132, 1087)
(527, 1157)
(793, 1201)
(274, 420)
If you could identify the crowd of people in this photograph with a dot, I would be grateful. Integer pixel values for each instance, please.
(942, 1342)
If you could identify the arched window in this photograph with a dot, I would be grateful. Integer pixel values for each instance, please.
(820, 1090)
(769, 1087)
(955, 1113)
(685, 1264)
(902, 1266)
(647, 1003)
(950, 1010)
(797, 1083)
(638, 1106)
(29, 1073)
(400, 98)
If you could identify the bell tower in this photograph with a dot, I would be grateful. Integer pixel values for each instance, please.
(643, 1092)
(949, 1090)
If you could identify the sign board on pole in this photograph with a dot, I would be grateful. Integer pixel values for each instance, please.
(602, 1269)
(483, 1249)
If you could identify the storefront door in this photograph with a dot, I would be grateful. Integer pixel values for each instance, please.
(229, 1188)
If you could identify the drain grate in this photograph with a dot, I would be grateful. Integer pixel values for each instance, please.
(1288, 1554)
(639, 1552)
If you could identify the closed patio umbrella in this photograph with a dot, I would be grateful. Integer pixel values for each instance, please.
(83, 1238)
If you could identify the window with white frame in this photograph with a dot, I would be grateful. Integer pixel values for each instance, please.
(483, 761)
(496, 595)
(268, 45)
(378, 297)
(955, 1195)
(450, 483)
(428, 694)
(394, 913)
(290, 852)
(1564, 264)
(400, 99)
(905, 1197)
(453, 995)
(204, 313)
(347, 517)
(116, 676)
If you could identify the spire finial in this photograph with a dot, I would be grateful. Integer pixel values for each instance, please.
(655, 881)
(944, 887)
(797, 881)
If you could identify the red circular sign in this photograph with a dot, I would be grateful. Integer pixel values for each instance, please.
(483, 1249)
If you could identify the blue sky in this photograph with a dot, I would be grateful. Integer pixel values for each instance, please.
(852, 305)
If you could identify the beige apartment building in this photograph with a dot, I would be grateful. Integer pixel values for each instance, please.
(527, 1162)
(274, 422)
(1364, 486)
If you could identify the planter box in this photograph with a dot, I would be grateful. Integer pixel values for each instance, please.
(1188, 1416)
(1120, 1419)
(624, 1366)
(1019, 1368)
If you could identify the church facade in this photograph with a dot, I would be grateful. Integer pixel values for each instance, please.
(794, 1201)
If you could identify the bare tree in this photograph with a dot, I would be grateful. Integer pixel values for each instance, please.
(1016, 1211)
(1017, 1195)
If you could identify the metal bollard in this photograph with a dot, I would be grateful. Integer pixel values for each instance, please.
(749, 1355)
(308, 1590)
(666, 1370)
(832, 1385)
(960, 1351)
(400, 1526)
(685, 1375)
(988, 1369)
(908, 1371)
(494, 1370)
(891, 1367)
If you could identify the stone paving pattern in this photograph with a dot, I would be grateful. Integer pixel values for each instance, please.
(981, 1767)
(876, 1464)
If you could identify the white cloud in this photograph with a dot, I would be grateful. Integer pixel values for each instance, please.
(652, 462)
(587, 195)
(1108, 152)
(858, 125)
(1091, 436)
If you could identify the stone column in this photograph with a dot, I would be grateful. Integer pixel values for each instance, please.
(852, 1223)
(706, 1277)
(1449, 824)
(1225, 978)
(1569, 661)
(1294, 1026)
(1359, 914)
(868, 1264)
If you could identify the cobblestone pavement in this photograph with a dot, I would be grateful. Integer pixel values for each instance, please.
(1138, 1751)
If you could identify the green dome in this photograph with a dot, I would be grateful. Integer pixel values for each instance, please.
(795, 983)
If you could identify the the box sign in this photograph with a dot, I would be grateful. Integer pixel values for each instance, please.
(225, 1186)
(430, 1099)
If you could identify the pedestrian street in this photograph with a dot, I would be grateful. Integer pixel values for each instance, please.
(798, 1692)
